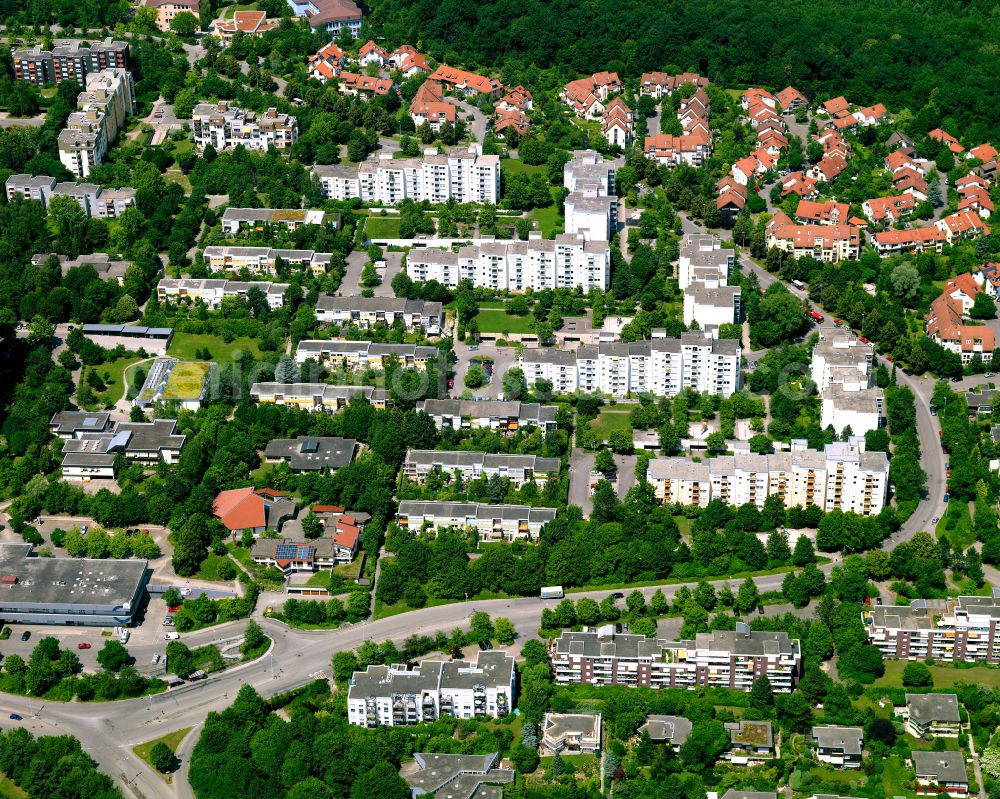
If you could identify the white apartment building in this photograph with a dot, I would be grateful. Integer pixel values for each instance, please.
(224, 126)
(568, 261)
(263, 260)
(368, 312)
(519, 469)
(702, 258)
(461, 174)
(962, 629)
(336, 354)
(842, 370)
(316, 397)
(96, 201)
(490, 522)
(660, 366)
(502, 417)
(395, 696)
(102, 109)
(721, 659)
(212, 291)
(842, 477)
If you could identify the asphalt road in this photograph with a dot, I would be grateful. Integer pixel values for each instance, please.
(109, 730)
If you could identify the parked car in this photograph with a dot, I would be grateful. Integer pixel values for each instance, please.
(25, 635)
(83, 645)
(171, 636)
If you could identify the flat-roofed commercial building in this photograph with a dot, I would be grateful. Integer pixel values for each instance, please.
(502, 417)
(519, 469)
(490, 522)
(75, 592)
(723, 659)
(395, 696)
(962, 629)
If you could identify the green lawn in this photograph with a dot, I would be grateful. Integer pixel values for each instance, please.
(497, 321)
(609, 421)
(382, 227)
(113, 375)
(960, 533)
(183, 346)
(515, 166)
(171, 739)
(210, 567)
(944, 676)
(548, 220)
(8, 790)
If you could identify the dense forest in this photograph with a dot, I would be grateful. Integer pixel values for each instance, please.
(939, 60)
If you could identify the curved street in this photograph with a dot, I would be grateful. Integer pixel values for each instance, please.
(109, 730)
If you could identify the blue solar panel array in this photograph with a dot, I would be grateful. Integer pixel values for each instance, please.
(294, 552)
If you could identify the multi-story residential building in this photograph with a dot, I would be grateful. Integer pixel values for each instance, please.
(940, 772)
(672, 731)
(519, 469)
(841, 358)
(750, 742)
(317, 397)
(935, 715)
(502, 417)
(572, 733)
(92, 455)
(96, 202)
(396, 696)
(827, 243)
(263, 260)
(236, 219)
(332, 16)
(838, 746)
(962, 629)
(69, 60)
(369, 312)
(723, 658)
(843, 477)
(212, 291)
(337, 354)
(490, 522)
(462, 174)
(102, 109)
(167, 10)
(846, 406)
(225, 126)
(660, 366)
(568, 261)
(703, 259)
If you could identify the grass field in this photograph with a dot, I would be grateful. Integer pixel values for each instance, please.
(115, 379)
(548, 220)
(210, 567)
(186, 380)
(944, 676)
(8, 790)
(497, 321)
(382, 227)
(609, 421)
(515, 166)
(183, 346)
(171, 739)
